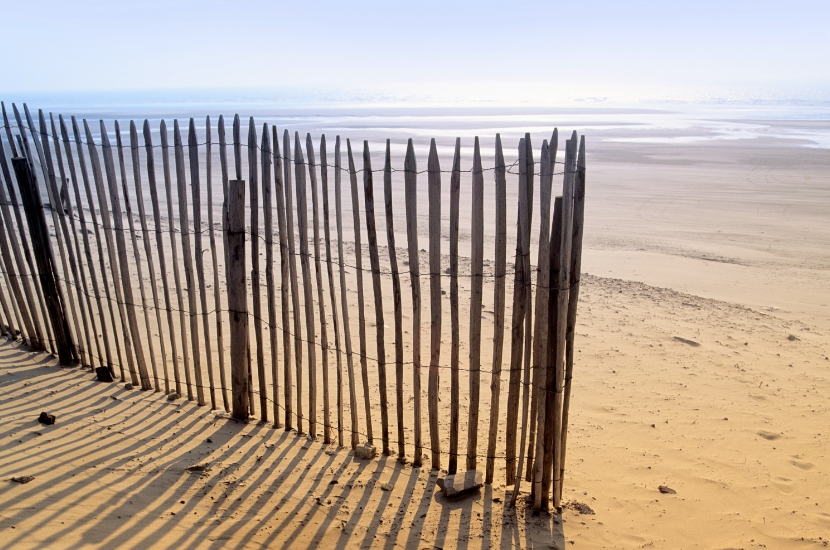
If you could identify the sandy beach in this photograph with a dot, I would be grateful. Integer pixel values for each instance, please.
(702, 366)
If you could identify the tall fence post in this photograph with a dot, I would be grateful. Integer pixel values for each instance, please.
(43, 255)
(237, 298)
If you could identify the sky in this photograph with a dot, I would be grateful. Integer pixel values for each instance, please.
(522, 51)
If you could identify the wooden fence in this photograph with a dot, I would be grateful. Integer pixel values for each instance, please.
(99, 313)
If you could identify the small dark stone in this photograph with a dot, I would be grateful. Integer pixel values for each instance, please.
(208, 440)
(104, 374)
(667, 490)
(46, 418)
(23, 479)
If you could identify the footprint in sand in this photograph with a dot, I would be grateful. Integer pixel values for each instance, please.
(769, 436)
(783, 484)
(803, 465)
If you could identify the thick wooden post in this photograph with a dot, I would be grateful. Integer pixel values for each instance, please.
(44, 257)
(238, 298)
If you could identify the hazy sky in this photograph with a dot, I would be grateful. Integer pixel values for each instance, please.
(476, 49)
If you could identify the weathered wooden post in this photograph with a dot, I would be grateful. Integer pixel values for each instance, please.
(39, 233)
(237, 298)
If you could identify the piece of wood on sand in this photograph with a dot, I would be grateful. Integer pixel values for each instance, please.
(374, 260)
(411, 198)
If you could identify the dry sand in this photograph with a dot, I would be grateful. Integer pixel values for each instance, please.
(702, 366)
